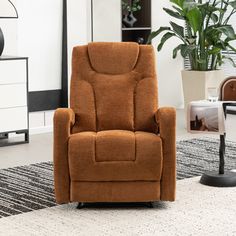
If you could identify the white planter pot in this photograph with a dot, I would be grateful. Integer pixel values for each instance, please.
(196, 84)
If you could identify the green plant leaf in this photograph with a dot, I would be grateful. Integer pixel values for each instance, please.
(230, 39)
(227, 30)
(190, 4)
(209, 8)
(195, 19)
(214, 17)
(164, 38)
(177, 29)
(201, 61)
(207, 32)
(156, 33)
(231, 47)
(124, 5)
(173, 13)
(219, 60)
(214, 51)
(212, 35)
(179, 3)
(216, 3)
(132, 6)
(175, 51)
(180, 11)
(221, 44)
(191, 40)
(232, 4)
(229, 59)
(187, 49)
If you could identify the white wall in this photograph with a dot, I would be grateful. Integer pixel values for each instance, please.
(168, 69)
(103, 12)
(78, 27)
(9, 28)
(40, 39)
(37, 34)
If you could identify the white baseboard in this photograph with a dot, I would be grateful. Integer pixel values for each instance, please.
(41, 122)
(41, 130)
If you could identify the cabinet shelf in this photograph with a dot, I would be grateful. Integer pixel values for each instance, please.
(142, 27)
(136, 28)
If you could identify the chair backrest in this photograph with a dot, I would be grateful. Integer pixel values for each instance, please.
(228, 89)
(113, 87)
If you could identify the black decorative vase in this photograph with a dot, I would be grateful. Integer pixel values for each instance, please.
(1, 42)
(129, 20)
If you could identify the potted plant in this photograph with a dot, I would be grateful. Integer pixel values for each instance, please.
(128, 8)
(204, 34)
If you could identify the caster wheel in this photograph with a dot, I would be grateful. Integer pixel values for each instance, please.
(150, 205)
(80, 205)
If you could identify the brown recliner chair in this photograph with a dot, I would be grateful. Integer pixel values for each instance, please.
(114, 144)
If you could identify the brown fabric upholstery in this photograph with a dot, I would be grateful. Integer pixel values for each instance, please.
(166, 120)
(115, 101)
(114, 144)
(113, 60)
(115, 98)
(64, 119)
(86, 147)
(136, 191)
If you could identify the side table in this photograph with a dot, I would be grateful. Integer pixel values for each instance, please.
(221, 178)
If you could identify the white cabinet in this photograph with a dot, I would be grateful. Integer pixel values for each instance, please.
(13, 119)
(13, 99)
(12, 71)
(13, 95)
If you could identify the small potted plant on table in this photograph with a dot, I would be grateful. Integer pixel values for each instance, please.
(128, 8)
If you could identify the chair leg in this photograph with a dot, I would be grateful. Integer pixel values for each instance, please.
(150, 205)
(80, 205)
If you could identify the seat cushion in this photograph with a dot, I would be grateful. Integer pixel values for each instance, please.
(115, 155)
(115, 146)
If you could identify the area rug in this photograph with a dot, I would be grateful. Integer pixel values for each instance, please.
(27, 188)
(198, 210)
(195, 156)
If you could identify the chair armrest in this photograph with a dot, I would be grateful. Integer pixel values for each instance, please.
(64, 119)
(166, 120)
